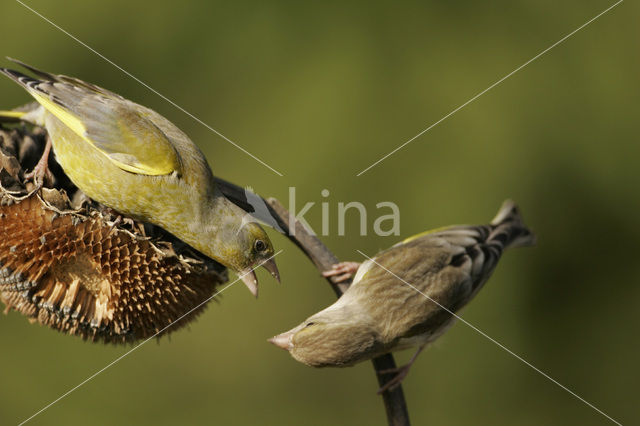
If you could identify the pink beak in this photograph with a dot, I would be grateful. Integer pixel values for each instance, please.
(251, 281)
(283, 340)
(270, 265)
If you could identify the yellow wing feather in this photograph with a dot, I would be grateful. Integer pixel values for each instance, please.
(422, 234)
(69, 120)
(162, 164)
(115, 127)
(12, 114)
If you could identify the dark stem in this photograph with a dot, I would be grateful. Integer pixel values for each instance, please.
(394, 402)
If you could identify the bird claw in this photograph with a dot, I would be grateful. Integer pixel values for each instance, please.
(40, 174)
(120, 219)
(342, 271)
(41, 171)
(400, 374)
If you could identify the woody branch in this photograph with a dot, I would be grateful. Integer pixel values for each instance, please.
(394, 401)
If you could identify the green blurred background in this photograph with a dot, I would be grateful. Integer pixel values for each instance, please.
(320, 92)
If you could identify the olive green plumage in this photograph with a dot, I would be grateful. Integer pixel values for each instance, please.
(381, 312)
(132, 159)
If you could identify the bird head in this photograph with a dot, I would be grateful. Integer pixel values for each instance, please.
(338, 337)
(253, 248)
(237, 241)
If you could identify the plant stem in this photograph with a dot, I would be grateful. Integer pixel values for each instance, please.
(394, 401)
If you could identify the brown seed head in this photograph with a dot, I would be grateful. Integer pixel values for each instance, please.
(78, 272)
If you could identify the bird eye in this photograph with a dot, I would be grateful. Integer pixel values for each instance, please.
(309, 324)
(260, 245)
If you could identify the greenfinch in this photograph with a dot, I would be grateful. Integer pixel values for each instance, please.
(406, 295)
(133, 160)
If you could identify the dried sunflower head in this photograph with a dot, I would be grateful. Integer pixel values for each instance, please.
(76, 267)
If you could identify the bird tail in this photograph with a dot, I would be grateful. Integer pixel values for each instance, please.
(31, 85)
(11, 116)
(23, 80)
(28, 112)
(509, 229)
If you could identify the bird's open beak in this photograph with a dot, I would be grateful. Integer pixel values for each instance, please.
(270, 265)
(283, 340)
(251, 281)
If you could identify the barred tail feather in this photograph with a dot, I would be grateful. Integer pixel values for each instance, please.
(509, 229)
(44, 75)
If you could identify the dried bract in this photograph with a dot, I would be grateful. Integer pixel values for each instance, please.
(79, 268)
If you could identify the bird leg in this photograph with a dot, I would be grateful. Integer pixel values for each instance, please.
(119, 218)
(41, 170)
(400, 373)
(341, 271)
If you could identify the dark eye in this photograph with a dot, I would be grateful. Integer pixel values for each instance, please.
(260, 245)
(309, 324)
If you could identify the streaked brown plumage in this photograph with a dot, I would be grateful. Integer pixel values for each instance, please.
(381, 312)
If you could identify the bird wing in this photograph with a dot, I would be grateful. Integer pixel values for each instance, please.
(422, 280)
(122, 130)
(472, 251)
(410, 283)
(411, 289)
(418, 265)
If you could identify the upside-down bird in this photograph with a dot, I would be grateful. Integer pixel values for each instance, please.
(133, 160)
(405, 296)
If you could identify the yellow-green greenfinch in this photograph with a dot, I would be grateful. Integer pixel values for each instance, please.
(405, 295)
(130, 158)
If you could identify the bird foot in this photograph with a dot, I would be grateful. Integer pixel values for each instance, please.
(400, 373)
(41, 171)
(120, 219)
(342, 271)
